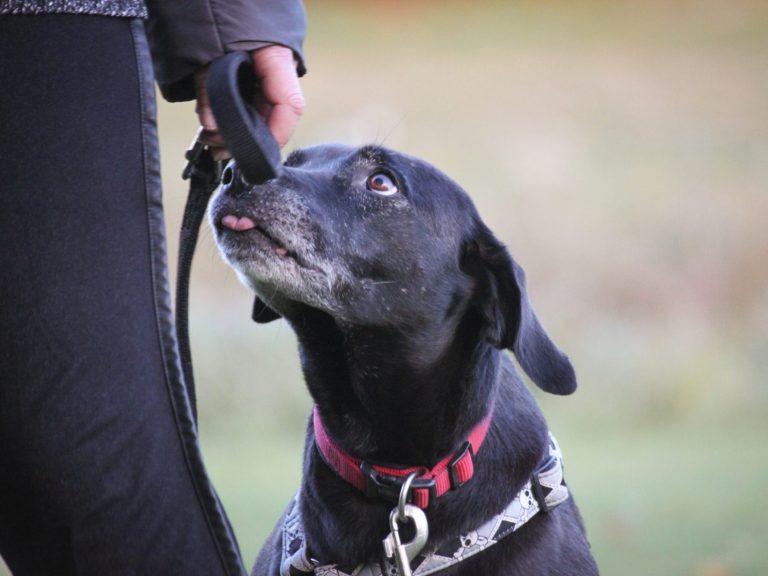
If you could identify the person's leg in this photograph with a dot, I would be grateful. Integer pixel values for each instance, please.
(99, 472)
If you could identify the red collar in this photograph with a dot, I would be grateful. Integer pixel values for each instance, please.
(384, 481)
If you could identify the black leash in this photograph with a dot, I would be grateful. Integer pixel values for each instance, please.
(204, 175)
(232, 85)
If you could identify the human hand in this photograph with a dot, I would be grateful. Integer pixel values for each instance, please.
(280, 100)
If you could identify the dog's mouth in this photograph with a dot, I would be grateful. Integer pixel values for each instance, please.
(275, 256)
(244, 237)
(244, 225)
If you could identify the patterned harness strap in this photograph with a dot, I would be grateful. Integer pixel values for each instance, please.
(544, 491)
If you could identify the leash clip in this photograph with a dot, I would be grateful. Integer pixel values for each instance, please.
(394, 548)
(403, 553)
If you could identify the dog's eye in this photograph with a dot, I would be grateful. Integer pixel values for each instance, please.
(381, 183)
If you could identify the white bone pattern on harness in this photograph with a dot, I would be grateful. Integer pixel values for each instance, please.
(519, 511)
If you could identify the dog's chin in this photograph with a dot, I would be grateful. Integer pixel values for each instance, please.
(278, 276)
(289, 290)
(282, 294)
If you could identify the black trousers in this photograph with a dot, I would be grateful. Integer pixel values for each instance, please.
(100, 471)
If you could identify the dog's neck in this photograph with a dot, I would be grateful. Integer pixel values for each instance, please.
(381, 404)
(382, 398)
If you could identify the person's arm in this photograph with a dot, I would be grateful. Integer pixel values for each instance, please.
(186, 36)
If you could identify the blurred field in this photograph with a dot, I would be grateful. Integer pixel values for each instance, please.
(621, 150)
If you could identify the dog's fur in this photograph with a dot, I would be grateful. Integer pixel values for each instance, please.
(403, 305)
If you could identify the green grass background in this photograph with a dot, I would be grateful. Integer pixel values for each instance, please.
(620, 149)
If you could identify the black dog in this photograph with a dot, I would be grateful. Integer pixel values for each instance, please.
(403, 303)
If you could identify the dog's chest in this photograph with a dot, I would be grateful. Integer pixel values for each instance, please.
(545, 491)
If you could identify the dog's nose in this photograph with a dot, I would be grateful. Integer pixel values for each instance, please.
(234, 183)
(228, 175)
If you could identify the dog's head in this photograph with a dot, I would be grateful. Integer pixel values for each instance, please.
(377, 238)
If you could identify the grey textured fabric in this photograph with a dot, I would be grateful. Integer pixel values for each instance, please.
(185, 36)
(121, 8)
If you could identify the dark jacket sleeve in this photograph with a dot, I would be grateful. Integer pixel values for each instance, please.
(185, 35)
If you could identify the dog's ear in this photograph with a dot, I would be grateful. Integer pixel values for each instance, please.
(262, 314)
(509, 319)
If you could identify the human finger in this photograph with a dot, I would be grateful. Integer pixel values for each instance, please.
(276, 69)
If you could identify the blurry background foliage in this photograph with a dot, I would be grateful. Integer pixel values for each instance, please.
(620, 149)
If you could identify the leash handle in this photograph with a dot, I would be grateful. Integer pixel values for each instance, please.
(232, 86)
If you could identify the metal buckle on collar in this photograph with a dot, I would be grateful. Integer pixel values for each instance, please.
(386, 487)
